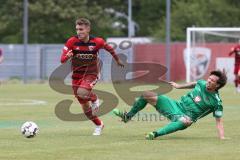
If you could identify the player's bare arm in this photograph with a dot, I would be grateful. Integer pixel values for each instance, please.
(120, 63)
(183, 86)
(1, 59)
(220, 128)
(113, 53)
(231, 52)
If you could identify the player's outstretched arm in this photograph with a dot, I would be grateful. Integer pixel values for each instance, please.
(1, 59)
(219, 125)
(232, 51)
(1, 56)
(113, 53)
(183, 86)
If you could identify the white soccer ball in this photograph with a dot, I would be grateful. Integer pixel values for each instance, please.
(29, 129)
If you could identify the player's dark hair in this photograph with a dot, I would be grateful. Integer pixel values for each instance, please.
(222, 78)
(83, 21)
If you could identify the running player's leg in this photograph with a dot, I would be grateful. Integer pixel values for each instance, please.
(237, 75)
(86, 106)
(85, 91)
(82, 90)
(86, 86)
(238, 79)
(88, 112)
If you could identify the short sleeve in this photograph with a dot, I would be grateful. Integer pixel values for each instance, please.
(218, 113)
(101, 42)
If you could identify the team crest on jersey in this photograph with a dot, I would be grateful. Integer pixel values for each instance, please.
(91, 48)
(199, 61)
(197, 99)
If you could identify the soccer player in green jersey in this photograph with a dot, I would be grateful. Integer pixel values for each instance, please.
(199, 102)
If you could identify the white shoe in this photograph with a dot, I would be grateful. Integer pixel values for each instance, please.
(98, 130)
(238, 89)
(95, 107)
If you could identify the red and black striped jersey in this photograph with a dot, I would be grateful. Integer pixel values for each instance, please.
(236, 50)
(85, 55)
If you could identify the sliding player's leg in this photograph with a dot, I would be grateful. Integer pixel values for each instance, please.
(170, 109)
(180, 124)
(139, 104)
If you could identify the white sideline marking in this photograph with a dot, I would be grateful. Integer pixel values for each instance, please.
(22, 102)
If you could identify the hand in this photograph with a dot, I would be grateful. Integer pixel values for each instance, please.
(69, 54)
(174, 85)
(120, 63)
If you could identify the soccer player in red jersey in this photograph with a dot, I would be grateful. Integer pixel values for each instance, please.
(82, 50)
(236, 50)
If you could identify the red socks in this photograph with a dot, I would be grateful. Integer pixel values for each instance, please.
(92, 117)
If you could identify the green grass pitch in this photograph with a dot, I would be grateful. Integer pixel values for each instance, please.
(74, 141)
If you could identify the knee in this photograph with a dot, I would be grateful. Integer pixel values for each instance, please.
(186, 121)
(82, 93)
(149, 96)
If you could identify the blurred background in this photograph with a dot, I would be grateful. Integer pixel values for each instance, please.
(32, 34)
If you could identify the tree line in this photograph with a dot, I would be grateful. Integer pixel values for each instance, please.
(53, 21)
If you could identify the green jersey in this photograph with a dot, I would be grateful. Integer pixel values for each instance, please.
(199, 102)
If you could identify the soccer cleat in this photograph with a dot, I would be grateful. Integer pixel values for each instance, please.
(121, 114)
(95, 107)
(98, 130)
(150, 136)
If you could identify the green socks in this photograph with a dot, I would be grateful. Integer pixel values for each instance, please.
(170, 128)
(139, 104)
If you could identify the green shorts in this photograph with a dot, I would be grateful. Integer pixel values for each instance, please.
(169, 108)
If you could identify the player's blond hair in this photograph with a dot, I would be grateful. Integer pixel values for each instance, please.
(83, 21)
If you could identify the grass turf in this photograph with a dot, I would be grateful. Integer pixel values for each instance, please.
(73, 140)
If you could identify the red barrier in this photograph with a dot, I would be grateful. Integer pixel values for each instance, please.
(156, 53)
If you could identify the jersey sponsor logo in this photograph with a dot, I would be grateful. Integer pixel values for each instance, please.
(91, 48)
(197, 99)
(84, 56)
